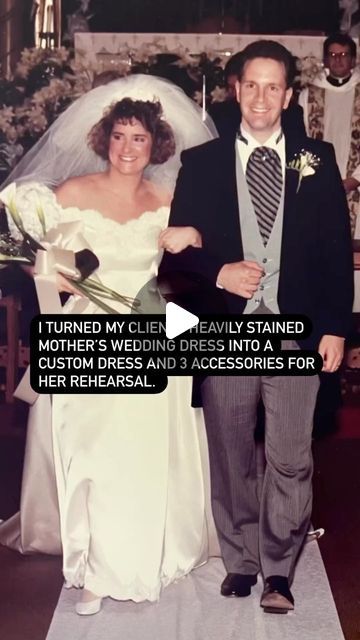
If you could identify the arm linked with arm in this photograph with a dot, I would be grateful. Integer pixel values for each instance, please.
(192, 206)
(187, 210)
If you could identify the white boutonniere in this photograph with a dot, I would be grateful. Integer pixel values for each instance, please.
(305, 163)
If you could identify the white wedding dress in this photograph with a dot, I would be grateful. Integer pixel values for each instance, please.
(131, 470)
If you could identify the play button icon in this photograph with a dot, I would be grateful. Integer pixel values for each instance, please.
(178, 320)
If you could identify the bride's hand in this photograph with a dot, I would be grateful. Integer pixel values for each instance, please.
(64, 286)
(176, 239)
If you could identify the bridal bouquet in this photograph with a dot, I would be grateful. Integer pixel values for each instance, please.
(75, 266)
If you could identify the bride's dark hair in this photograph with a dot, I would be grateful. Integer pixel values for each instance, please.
(149, 114)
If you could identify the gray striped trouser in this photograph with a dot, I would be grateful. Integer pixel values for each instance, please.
(269, 533)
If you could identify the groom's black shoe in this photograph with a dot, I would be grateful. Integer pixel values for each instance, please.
(277, 597)
(238, 584)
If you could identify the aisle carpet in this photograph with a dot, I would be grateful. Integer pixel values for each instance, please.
(192, 609)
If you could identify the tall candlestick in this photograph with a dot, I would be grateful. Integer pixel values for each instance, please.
(49, 16)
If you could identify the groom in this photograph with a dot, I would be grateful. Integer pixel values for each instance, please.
(276, 241)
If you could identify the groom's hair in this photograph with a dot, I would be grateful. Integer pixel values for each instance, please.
(149, 114)
(269, 49)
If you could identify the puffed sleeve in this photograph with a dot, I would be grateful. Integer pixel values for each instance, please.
(28, 199)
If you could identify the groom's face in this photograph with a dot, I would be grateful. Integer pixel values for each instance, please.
(262, 95)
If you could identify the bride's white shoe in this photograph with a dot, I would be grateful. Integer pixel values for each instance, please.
(89, 604)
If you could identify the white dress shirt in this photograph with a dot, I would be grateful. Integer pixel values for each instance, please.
(245, 149)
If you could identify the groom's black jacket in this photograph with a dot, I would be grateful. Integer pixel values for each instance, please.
(316, 270)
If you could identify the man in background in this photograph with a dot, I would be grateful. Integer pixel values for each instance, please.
(331, 107)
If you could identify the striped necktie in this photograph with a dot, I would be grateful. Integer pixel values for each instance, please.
(264, 180)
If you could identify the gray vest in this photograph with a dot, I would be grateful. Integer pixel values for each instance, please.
(269, 256)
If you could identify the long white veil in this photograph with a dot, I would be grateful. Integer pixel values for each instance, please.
(62, 152)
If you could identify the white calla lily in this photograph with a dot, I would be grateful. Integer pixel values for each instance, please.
(305, 163)
(8, 194)
(308, 171)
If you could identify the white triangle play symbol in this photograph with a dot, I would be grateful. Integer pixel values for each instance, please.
(178, 320)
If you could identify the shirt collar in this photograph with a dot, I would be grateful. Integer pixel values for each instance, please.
(338, 82)
(273, 142)
(246, 143)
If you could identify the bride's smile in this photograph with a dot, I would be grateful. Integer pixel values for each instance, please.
(130, 147)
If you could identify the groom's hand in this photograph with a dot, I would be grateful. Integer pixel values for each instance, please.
(241, 278)
(331, 349)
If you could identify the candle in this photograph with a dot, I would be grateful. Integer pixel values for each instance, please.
(49, 15)
(204, 99)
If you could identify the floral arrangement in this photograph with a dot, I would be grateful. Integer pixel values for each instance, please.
(77, 267)
(309, 68)
(45, 82)
(31, 100)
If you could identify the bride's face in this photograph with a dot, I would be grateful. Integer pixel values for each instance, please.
(130, 147)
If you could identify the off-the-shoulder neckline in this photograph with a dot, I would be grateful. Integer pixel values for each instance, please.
(97, 214)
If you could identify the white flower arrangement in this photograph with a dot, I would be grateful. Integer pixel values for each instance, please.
(24, 120)
(22, 248)
(309, 68)
(31, 57)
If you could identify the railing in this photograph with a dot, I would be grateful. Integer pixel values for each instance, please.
(91, 45)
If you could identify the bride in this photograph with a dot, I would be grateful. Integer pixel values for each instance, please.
(129, 469)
